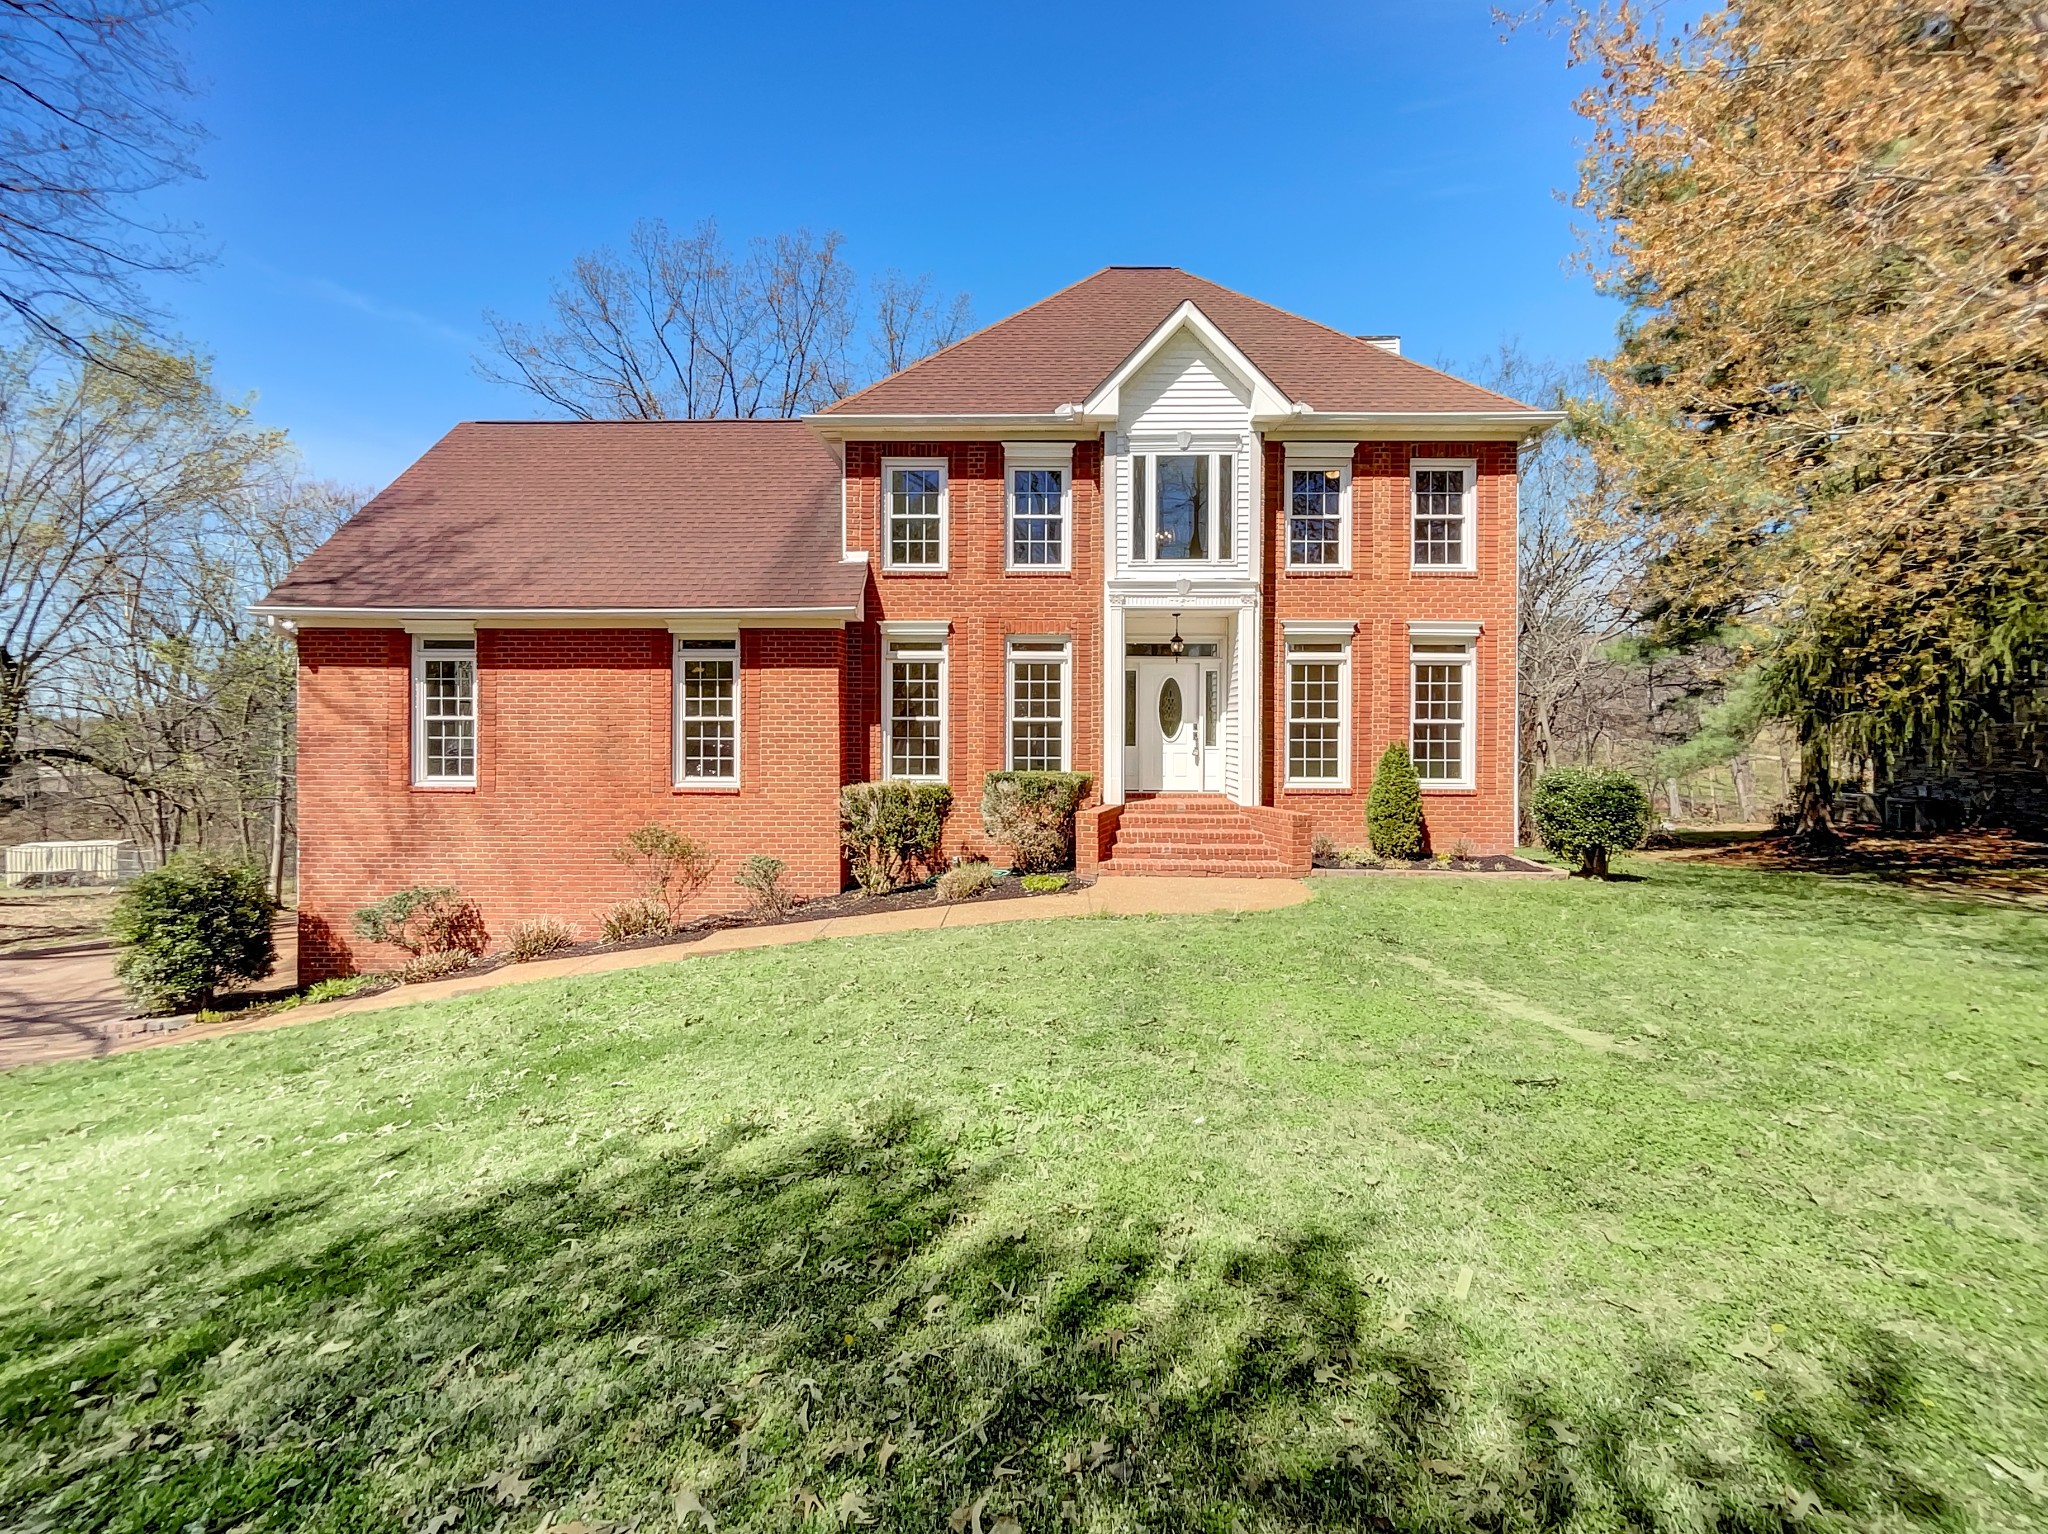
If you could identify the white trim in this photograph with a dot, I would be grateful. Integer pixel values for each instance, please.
(1311, 457)
(1469, 504)
(1267, 397)
(1286, 421)
(1313, 632)
(920, 634)
(419, 776)
(1442, 425)
(1443, 628)
(1063, 658)
(704, 628)
(894, 465)
(1219, 514)
(923, 426)
(728, 649)
(916, 628)
(1447, 633)
(552, 617)
(1058, 457)
(442, 628)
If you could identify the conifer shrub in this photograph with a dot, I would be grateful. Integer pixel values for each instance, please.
(1033, 813)
(891, 831)
(1582, 814)
(1393, 810)
(188, 927)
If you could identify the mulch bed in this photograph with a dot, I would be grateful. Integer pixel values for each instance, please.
(1492, 863)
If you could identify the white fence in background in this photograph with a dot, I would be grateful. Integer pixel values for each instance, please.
(110, 862)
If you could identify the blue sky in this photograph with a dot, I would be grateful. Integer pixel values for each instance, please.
(379, 174)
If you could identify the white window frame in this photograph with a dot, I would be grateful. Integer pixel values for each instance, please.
(1038, 650)
(1310, 457)
(1059, 458)
(1466, 635)
(1221, 515)
(1469, 543)
(1299, 636)
(919, 640)
(446, 647)
(703, 647)
(890, 467)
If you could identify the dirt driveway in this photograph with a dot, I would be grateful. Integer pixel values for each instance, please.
(59, 999)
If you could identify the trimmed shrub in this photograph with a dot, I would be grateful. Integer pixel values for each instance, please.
(966, 881)
(761, 877)
(892, 830)
(634, 918)
(1582, 814)
(422, 919)
(332, 989)
(529, 940)
(189, 926)
(672, 868)
(1043, 884)
(1393, 810)
(1033, 812)
(435, 964)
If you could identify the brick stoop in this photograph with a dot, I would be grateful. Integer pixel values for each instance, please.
(1206, 834)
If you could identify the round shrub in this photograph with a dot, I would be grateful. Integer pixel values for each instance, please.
(190, 926)
(1586, 815)
(1393, 810)
(1033, 814)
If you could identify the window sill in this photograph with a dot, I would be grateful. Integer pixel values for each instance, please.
(704, 788)
(1315, 570)
(1038, 569)
(444, 788)
(914, 571)
(1451, 791)
(1315, 788)
(1464, 570)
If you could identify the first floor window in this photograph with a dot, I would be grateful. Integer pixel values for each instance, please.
(707, 673)
(1315, 518)
(1441, 688)
(1443, 494)
(1038, 518)
(914, 709)
(914, 515)
(1315, 712)
(1038, 705)
(444, 711)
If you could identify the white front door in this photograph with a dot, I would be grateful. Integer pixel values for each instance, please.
(1169, 726)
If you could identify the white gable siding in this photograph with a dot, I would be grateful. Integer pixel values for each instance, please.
(1184, 388)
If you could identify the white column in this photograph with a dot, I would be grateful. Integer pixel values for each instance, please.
(1249, 653)
(1112, 702)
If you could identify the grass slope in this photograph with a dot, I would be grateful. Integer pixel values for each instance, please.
(1342, 1216)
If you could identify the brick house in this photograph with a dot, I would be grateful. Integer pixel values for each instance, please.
(1213, 554)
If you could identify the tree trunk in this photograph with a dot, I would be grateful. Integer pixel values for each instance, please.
(1594, 864)
(1813, 829)
(1673, 802)
(1744, 776)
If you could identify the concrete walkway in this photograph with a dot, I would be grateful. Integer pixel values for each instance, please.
(1107, 897)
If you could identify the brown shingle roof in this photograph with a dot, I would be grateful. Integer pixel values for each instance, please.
(658, 515)
(1059, 350)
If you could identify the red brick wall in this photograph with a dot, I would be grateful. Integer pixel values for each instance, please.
(1382, 593)
(986, 604)
(573, 751)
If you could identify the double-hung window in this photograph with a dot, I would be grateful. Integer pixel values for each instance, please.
(1440, 711)
(1037, 494)
(914, 514)
(1038, 705)
(707, 726)
(1183, 506)
(914, 706)
(1319, 507)
(1443, 492)
(1318, 705)
(444, 712)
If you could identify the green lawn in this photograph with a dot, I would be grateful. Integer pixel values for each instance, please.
(1711, 1201)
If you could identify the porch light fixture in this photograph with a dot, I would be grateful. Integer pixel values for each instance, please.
(1176, 646)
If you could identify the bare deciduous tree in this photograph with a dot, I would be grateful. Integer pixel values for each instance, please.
(678, 328)
(90, 92)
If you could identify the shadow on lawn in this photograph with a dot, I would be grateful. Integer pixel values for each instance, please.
(826, 1331)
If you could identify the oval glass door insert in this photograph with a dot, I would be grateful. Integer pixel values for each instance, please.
(1169, 708)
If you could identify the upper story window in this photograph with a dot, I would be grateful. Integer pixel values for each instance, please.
(1038, 501)
(1319, 508)
(914, 514)
(707, 739)
(914, 707)
(1444, 492)
(1182, 506)
(444, 712)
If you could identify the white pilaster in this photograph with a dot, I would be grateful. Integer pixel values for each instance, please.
(1249, 651)
(1113, 700)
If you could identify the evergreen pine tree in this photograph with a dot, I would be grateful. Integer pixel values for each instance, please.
(1393, 810)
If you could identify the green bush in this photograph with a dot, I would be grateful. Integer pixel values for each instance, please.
(761, 877)
(892, 830)
(334, 988)
(966, 881)
(672, 868)
(1043, 884)
(1393, 810)
(1582, 814)
(1033, 813)
(424, 918)
(189, 926)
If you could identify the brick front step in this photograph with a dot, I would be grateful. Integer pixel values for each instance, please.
(1199, 834)
(1176, 868)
